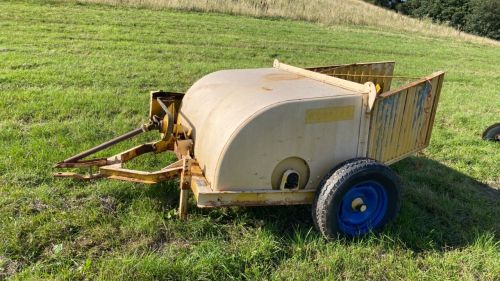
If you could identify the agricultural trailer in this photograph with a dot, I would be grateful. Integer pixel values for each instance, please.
(286, 136)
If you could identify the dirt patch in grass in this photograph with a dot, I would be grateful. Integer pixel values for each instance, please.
(8, 267)
(37, 206)
(108, 205)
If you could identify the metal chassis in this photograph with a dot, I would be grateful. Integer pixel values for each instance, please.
(112, 168)
(188, 170)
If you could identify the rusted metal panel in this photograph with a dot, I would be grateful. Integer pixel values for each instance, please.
(388, 130)
(402, 119)
(377, 72)
(433, 114)
(342, 83)
(206, 197)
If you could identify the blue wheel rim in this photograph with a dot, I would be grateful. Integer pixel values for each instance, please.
(355, 222)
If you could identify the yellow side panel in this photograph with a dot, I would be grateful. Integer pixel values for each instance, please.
(402, 119)
(360, 72)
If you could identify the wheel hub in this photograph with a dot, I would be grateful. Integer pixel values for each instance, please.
(358, 204)
(354, 215)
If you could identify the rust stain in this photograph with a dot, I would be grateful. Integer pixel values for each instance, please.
(267, 89)
(401, 120)
(286, 76)
(250, 197)
(211, 204)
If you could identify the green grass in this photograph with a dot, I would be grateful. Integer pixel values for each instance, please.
(72, 76)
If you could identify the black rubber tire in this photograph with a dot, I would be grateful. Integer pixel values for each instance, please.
(322, 183)
(491, 133)
(340, 180)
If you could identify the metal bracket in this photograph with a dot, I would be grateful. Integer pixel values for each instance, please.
(167, 123)
(112, 167)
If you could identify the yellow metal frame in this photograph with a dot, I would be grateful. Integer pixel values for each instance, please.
(402, 119)
(206, 197)
(112, 167)
(188, 170)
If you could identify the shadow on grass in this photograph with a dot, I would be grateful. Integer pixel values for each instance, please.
(442, 209)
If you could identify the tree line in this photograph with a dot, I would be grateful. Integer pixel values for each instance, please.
(479, 17)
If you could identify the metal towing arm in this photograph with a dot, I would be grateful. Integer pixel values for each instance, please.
(174, 139)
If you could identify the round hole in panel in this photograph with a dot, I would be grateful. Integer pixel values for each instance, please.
(297, 164)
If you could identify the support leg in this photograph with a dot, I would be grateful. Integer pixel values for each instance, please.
(183, 204)
(185, 186)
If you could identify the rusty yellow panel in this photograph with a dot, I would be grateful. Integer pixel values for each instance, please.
(396, 134)
(407, 145)
(358, 71)
(375, 131)
(348, 70)
(329, 114)
(389, 71)
(438, 84)
(387, 120)
(361, 73)
(402, 119)
(342, 71)
(385, 113)
(430, 109)
(406, 122)
(337, 72)
(386, 70)
(387, 123)
(206, 197)
(394, 109)
(425, 114)
(420, 116)
(365, 71)
(352, 70)
(382, 81)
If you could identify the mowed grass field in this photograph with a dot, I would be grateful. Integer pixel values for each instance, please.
(73, 76)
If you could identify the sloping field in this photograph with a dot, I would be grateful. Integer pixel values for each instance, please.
(75, 75)
(352, 12)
